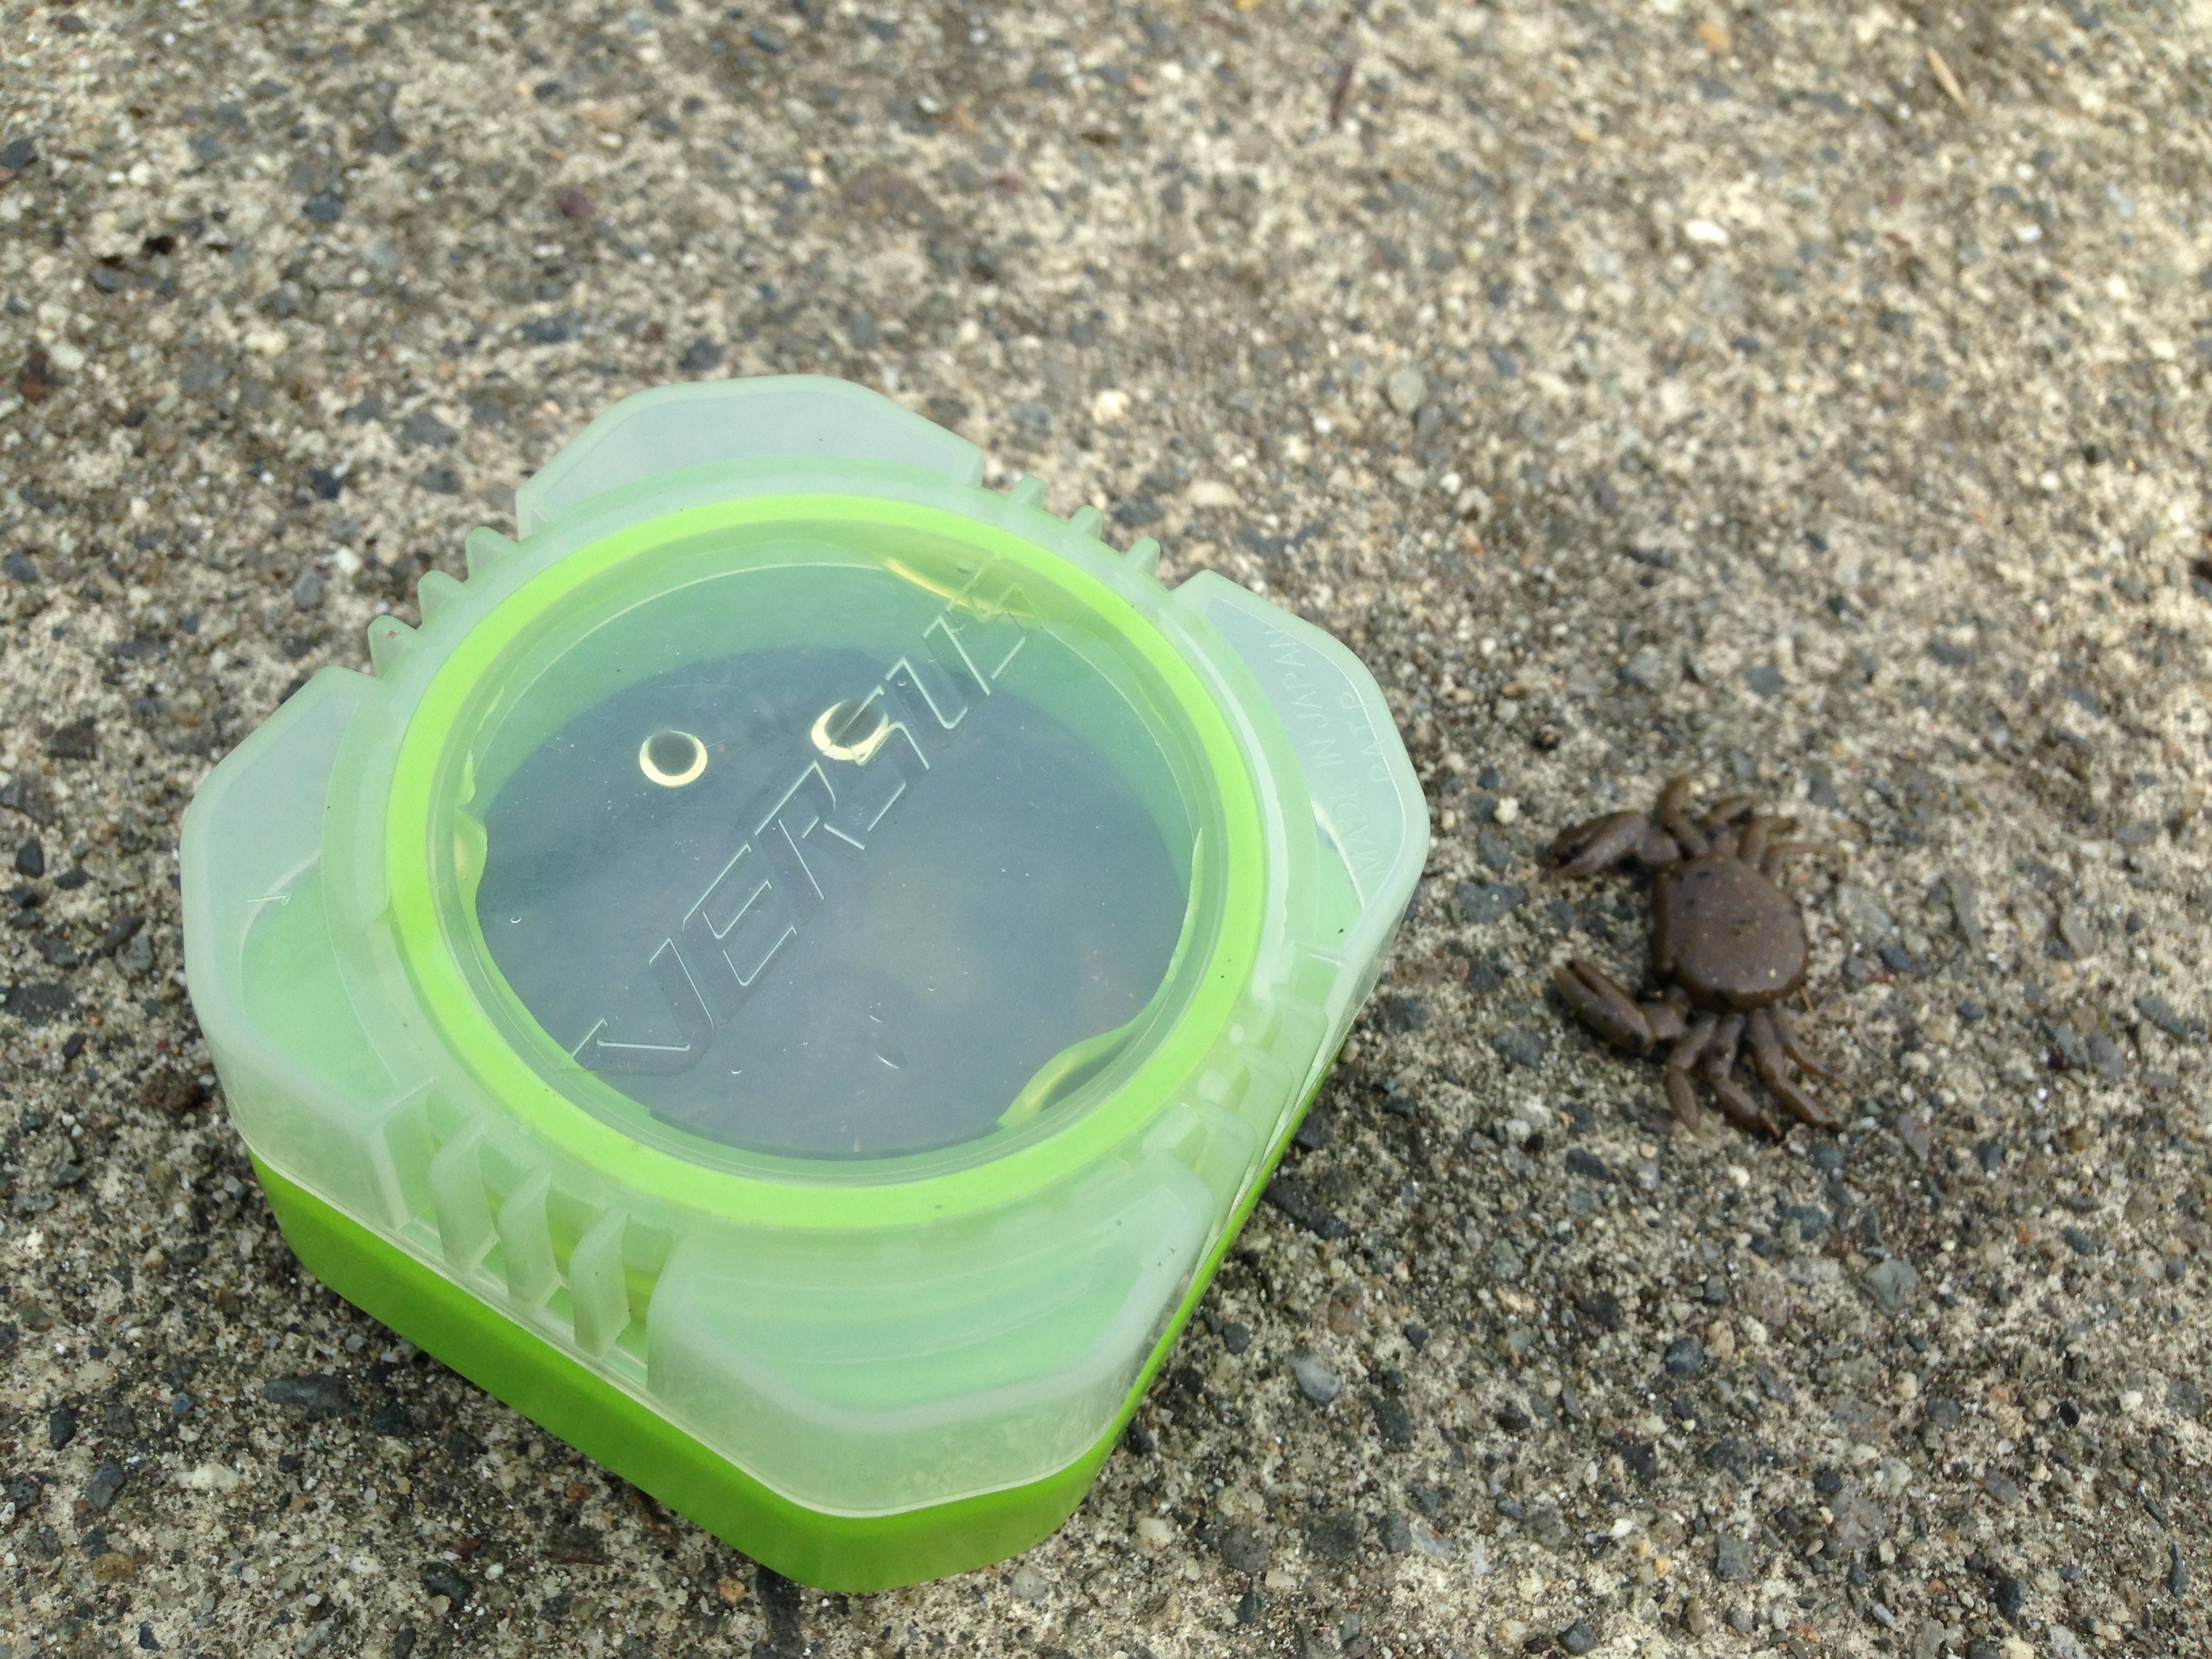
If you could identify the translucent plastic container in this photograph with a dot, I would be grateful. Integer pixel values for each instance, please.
(796, 972)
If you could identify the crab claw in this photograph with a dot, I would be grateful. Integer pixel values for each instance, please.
(1604, 1006)
(1599, 844)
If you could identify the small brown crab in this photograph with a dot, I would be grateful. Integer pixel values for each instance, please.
(1727, 946)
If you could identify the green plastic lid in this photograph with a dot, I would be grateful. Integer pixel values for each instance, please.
(823, 953)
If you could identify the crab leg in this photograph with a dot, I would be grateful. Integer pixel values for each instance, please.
(1675, 818)
(1779, 853)
(1657, 849)
(1759, 838)
(1676, 1075)
(1600, 844)
(1719, 1069)
(1725, 840)
(1603, 1007)
(1806, 1060)
(1766, 1056)
(1665, 1016)
(1726, 811)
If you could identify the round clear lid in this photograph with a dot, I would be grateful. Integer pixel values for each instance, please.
(831, 842)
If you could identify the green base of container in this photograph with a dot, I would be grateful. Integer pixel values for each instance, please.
(829, 1552)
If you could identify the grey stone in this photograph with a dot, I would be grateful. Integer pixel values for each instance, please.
(1891, 1284)
(2010, 1595)
(1291, 1194)
(135, 959)
(1333, 1534)
(423, 429)
(1485, 901)
(1580, 1161)
(1315, 1380)
(1396, 1011)
(1734, 1561)
(203, 374)
(106, 1480)
(556, 330)
(1859, 1521)
(1862, 913)
(1407, 388)
(1966, 909)
(1646, 670)
(1241, 1547)
(1520, 1047)
(319, 1392)
(2168, 1018)
(1549, 1528)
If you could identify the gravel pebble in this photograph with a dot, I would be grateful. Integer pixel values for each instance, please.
(1863, 914)
(2163, 1014)
(320, 1393)
(1241, 1547)
(1733, 1562)
(1407, 388)
(1646, 670)
(2011, 1597)
(1520, 1047)
(1891, 1284)
(1485, 901)
(1290, 1195)
(106, 1480)
(1315, 1380)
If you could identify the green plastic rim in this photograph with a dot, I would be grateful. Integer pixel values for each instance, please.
(793, 1192)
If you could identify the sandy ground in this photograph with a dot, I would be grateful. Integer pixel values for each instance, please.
(1813, 397)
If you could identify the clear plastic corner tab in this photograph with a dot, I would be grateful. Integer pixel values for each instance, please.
(704, 424)
(1367, 803)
